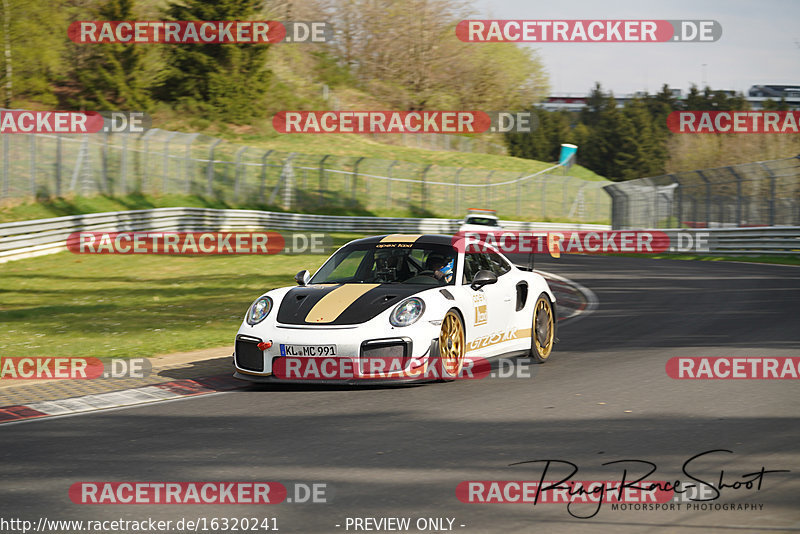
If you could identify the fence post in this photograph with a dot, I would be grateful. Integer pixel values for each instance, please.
(679, 193)
(165, 170)
(655, 205)
(58, 166)
(239, 154)
(544, 198)
(619, 206)
(354, 185)
(123, 180)
(457, 189)
(104, 165)
(33, 164)
(146, 157)
(6, 178)
(83, 152)
(708, 197)
(389, 185)
(263, 174)
(188, 163)
(210, 168)
(322, 184)
(487, 196)
(423, 189)
(519, 193)
(771, 194)
(738, 195)
(287, 180)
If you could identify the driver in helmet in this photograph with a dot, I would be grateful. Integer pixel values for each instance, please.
(443, 267)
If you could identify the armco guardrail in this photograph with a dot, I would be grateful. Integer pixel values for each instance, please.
(44, 236)
(757, 241)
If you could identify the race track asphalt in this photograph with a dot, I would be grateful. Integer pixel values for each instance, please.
(401, 451)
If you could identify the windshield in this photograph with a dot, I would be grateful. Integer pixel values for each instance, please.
(390, 263)
(483, 221)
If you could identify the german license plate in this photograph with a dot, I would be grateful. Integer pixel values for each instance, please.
(308, 350)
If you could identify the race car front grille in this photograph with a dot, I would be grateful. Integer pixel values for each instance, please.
(385, 354)
(248, 355)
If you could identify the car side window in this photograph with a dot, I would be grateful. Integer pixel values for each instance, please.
(472, 264)
(497, 264)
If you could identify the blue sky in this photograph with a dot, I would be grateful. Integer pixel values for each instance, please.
(760, 44)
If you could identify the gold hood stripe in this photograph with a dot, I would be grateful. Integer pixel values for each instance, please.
(401, 238)
(334, 303)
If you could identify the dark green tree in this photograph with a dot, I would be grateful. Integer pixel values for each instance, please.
(114, 75)
(226, 81)
(596, 104)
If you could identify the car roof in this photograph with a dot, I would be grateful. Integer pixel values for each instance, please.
(423, 239)
(481, 216)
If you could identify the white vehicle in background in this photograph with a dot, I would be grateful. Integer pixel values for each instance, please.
(479, 220)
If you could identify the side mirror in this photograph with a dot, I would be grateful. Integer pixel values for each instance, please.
(302, 277)
(483, 278)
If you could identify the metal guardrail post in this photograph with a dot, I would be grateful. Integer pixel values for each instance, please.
(210, 167)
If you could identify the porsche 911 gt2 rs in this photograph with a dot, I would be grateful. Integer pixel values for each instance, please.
(422, 303)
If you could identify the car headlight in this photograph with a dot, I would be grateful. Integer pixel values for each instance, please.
(407, 312)
(259, 310)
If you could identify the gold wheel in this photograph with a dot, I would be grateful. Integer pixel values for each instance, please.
(543, 331)
(451, 345)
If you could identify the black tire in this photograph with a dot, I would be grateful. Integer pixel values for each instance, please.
(542, 329)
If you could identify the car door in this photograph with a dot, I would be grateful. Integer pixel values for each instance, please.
(505, 291)
(486, 319)
(477, 312)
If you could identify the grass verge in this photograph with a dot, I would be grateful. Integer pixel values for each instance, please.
(133, 306)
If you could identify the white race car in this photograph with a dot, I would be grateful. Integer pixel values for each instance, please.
(402, 307)
(480, 220)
